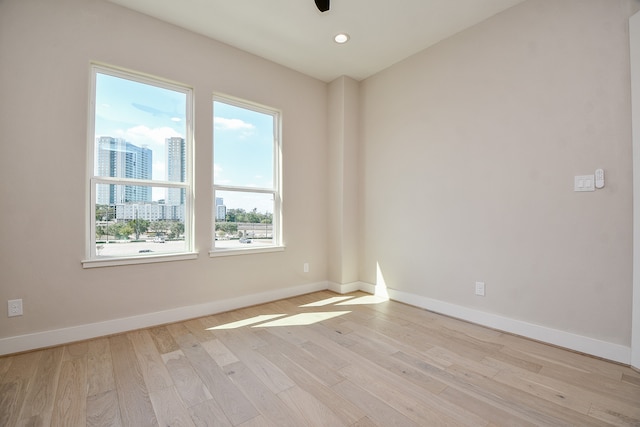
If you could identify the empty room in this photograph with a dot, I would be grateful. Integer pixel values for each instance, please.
(320, 212)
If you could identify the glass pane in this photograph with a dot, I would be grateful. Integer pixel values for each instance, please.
(243, 219)
(140, 130)
(138, 227)
(243, 147)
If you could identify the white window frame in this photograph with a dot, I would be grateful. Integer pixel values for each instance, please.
(276, 191)
(92, 258)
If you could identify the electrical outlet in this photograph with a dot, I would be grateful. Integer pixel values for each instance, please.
(305, 267)
(14, 307)
(480, 289)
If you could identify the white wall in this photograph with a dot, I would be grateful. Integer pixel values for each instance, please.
(45, 50)
(469, 153)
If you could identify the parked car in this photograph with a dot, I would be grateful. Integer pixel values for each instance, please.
(245, 240)
(158, 239)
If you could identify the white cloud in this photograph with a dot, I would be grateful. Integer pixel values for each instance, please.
(231, 124)
(153, 137)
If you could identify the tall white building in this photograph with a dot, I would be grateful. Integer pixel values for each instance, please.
(176, 169)
(121, 159)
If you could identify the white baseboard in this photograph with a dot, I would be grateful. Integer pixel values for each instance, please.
(345, 288)
(93, 330)
(580, 343)
(603, 349)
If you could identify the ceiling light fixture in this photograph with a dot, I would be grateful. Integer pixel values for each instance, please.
(341, 38)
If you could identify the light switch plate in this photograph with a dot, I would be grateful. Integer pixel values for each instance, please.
(584, 183)
(14, 307)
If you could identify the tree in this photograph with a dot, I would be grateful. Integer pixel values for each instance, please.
(100, 231)
(231, 215)
(139, 226)
(159, 227)
(254, 216)
(105, 212)
(176, 229)
(121, 230)
(240, 215)
(227, 227)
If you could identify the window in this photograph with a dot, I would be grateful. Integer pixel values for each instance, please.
(246, 177)
(140, 180)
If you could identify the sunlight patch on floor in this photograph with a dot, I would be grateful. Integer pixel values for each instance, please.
(327, 301)
(303, 319)
(246, 322)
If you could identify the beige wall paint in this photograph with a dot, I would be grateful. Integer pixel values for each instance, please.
(45, 51)
(469, 153)
(343, 177)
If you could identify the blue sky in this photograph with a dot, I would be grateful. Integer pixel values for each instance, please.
(243, 155)
(146, 115)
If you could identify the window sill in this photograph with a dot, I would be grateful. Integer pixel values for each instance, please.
(111, 262)
(232, 252)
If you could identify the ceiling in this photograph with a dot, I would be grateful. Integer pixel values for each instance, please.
(295, 34)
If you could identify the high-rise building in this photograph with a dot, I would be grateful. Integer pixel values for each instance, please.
(221, 209)
(119, 158)
(176, 169)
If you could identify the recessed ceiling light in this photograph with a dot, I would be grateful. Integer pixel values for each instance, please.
(341, 38)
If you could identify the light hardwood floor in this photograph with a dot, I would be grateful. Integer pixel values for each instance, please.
(322, 360)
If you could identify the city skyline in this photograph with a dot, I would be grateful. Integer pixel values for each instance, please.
(122, 159)
(142, 114)
(150, 116)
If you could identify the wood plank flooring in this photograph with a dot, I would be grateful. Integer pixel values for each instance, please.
(316, 360)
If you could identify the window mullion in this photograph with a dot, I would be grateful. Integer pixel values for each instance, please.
(144, 182)
(244, 189)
